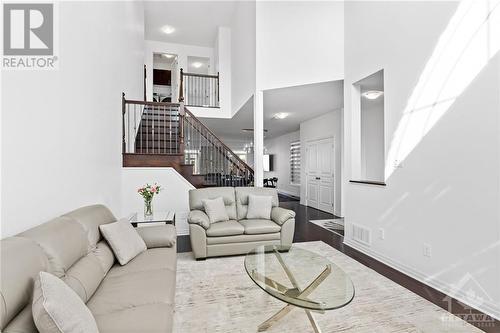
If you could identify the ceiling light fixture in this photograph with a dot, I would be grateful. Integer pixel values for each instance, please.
(168, 29)
(372, 94)
(281, 115)
(168, 56)
(248, 130)
(197, 64)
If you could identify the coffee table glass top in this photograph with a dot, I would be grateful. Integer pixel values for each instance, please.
(299, 277)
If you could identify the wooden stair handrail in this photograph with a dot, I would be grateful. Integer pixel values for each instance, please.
(130, 101)
(192, 116)
(243, 168)
(201, 75)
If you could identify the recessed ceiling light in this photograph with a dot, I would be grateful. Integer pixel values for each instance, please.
(168, 29)
(372, 94)
(281, 115)
(168, 56)
(197, 64)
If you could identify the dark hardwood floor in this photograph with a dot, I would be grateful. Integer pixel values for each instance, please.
(307, 232)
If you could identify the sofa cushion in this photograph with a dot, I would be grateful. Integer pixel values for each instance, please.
(243, 238)
(242, 194)
(215, 210)
(62, 240)
(150, 260)
(149, 318)
(58, 309)
(119, 292)
(227, 228)
(123, 239)
(21, 259)
(22, 323)
(90, 218)
(85, 276)
(258, 226)
(259, 206)
(196, 197)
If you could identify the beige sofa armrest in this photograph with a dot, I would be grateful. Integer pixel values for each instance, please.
(199, 217)
(198, 241)
(158, 236)
(281, 215)
(287, 232)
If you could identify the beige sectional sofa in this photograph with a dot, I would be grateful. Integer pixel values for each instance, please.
(137, 297)
(238, 235)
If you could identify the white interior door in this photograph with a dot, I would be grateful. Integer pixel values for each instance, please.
(320, 175)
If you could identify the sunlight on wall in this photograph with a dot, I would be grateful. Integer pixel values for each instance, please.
(470, 40)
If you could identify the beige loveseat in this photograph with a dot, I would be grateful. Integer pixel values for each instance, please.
(137, 297)
(238, 235)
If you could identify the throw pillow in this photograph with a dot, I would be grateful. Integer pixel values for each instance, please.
(259, 207)
(58, 309)
(123, 239)
(215, 209)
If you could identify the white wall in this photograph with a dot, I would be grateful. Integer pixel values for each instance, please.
(299, 42)
(323, 127)
(223, 66)
(61, 130)
(174, 195)
(280, 148)
(372, 140)
(242, 54)
(446, 191)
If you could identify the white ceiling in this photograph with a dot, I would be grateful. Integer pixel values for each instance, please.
(208, 15)
(301, 103)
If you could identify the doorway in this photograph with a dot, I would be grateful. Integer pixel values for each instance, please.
(320, 164)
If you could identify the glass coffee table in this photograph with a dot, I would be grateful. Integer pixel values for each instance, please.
(299, 278)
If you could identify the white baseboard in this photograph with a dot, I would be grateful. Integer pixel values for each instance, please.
(487, 307)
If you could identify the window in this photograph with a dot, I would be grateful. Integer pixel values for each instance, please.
(295, 163)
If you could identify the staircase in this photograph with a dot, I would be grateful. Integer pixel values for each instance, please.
(169, 135)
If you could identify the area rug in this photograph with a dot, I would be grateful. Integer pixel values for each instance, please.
(217, 296)
(333, 225)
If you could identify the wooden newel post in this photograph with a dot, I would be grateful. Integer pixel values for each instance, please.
(124, 146)
(182, 114)
(218, 79)
(181, 87)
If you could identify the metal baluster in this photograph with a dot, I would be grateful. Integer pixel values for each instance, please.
(135, 130)
(147, 128)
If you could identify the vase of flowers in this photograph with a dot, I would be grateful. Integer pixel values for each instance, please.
(148, 192)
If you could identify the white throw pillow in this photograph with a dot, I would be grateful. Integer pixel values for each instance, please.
(123, 239)
(259, 207)
(58, 309)
(215, 209)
